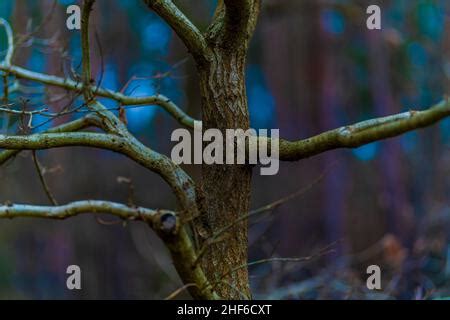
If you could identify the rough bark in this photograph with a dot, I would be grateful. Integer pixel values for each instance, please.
(224, 105)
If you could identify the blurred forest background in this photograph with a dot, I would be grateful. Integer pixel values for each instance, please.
(313, 66)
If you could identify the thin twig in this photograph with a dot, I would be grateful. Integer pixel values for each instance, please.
(234, 288)
(42, 112)
(40, 171)
(275, 204)
(174, 294)
(326, 250)
(26, 37)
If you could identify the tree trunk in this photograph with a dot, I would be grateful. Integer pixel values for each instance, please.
(226, 188)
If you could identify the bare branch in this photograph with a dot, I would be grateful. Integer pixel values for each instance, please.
(7, 62)
(76, 125)
(164, 222)
(10, 37)
(180, 182)
(85, 49)
(126, 144)
(85, 46)
(71, 85)
(118, 139)
(362, 133)
(112, 123)
(170, 228)
(42, 112)
(184, 28)
(178, 242)
(80, 207)
(68, 84)
(42, 141)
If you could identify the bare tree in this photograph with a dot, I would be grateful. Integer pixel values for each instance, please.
(207, 234)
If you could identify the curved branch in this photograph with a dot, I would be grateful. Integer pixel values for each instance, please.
(118, 139)
(10, 37)
(179, 181)
(362, 133)
(184, 28)
(178, 241)
(68, 84)
(125, 100)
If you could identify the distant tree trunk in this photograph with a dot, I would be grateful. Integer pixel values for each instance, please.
(394, 197)
(224, 105)
(334, 186)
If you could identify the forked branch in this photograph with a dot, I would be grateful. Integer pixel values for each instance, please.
(76, 86)
(75, 125)
(183, 27)
(234, 22)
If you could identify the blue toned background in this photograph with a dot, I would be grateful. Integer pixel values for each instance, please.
(313, 66)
